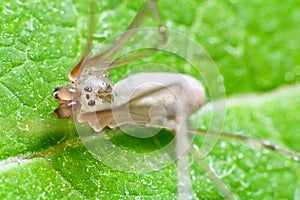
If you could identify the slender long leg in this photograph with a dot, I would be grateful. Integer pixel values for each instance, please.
(257, 142)
(79, 67)
(222, 187)
(148, 6)
(162, 40)
(182, 145)
(118, 63)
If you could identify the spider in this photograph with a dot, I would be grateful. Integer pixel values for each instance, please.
(156, 99)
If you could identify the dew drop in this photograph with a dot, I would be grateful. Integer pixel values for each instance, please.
(296, 158)
(105, 25)
(240, 155)
(223, 144)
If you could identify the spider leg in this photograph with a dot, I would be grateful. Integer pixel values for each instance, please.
(254, 142)
(73, 75)
(182, 146)
(222, 187)
(108, 56)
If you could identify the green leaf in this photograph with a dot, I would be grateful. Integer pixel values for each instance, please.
(255, 46)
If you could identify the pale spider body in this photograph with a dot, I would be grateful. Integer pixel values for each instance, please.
(93, 92)
(154, 109)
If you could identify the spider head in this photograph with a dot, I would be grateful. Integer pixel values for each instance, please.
(95, 88)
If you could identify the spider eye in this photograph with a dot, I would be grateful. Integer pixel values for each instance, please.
(88, 89)
(91, 102)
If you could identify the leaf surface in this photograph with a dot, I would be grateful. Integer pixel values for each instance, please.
(255, 46)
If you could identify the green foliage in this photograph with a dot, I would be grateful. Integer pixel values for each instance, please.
(255, 44)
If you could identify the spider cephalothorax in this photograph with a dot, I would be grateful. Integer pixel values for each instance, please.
(95, 90)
